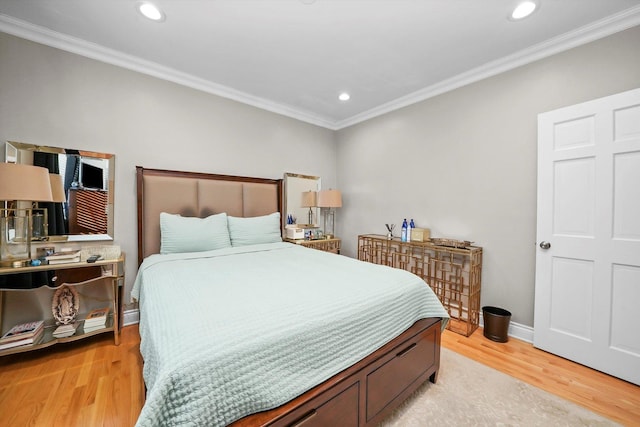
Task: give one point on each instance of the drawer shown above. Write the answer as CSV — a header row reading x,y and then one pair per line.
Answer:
x,y
408,362
51,278
341,410
77,275
31,280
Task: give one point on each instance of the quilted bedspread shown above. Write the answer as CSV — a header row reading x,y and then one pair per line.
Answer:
x,y
235,331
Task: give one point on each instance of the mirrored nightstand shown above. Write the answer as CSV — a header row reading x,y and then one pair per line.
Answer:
x,y
328,245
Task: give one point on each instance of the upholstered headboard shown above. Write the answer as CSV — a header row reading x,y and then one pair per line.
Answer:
x,y
198,194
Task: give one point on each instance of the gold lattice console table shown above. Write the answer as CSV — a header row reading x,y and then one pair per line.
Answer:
x,y
454,274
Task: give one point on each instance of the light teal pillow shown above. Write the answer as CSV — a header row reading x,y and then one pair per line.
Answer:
x,y
190,234
255,230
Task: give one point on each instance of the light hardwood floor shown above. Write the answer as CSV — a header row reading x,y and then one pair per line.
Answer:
x,y
87,383
608,396
94,383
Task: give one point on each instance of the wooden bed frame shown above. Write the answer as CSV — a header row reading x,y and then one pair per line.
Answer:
x,y
361,395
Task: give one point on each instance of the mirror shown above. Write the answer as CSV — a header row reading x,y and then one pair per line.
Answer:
x,y
294,186
88,179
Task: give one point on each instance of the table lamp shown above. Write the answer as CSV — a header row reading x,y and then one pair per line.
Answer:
x,y
309,201
40,214
57,188
20,183
328,200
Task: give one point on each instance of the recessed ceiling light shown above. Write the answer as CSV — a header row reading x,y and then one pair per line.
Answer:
x,y
344,96
151,11
523,10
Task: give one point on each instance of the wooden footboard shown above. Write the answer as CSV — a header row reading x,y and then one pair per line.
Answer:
x,y
365,393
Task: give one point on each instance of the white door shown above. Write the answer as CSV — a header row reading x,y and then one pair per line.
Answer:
x,y
587,295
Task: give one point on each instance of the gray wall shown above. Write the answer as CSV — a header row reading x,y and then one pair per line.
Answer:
x,y
51,97
464,163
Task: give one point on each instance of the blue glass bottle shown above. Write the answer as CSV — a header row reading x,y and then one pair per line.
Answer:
x,y
403,235
412,225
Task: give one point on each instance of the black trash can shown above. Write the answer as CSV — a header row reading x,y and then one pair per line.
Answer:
x,y
496,323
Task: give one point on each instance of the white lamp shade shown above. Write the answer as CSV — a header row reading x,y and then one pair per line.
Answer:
x,y
24,182
329,199
57,188
308,199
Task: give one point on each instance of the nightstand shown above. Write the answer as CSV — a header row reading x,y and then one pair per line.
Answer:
x,y
328,245
26,294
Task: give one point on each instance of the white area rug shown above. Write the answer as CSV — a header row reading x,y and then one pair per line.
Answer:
x,y
471,394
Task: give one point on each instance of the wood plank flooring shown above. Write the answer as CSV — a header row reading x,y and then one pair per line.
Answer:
x,y
94,383
85,383
608,396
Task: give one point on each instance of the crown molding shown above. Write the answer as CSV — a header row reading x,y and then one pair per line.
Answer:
x,y
583,35
81,47
594,31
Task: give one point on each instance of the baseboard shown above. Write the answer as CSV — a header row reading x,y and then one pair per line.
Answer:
x,y
521,332
517,330
131,317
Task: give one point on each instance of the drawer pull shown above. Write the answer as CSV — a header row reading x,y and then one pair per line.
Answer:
x,y
306,417
407,350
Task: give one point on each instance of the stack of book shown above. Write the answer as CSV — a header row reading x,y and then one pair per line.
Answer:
x,y
96,319
63,257
64,331
22,334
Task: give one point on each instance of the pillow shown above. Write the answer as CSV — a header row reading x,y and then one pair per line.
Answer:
x,y
191,234
255,230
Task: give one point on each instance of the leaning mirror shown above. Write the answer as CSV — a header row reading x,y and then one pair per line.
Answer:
x,y
299,200
87,179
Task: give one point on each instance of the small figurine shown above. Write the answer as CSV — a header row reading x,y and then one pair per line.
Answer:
x,y
65,305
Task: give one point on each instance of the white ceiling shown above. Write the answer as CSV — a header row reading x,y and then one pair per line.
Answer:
x,y
294,57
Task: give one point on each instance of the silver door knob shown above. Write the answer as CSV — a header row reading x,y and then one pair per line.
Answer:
x,y
545,245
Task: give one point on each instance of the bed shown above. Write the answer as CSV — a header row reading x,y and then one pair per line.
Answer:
x,y
261,332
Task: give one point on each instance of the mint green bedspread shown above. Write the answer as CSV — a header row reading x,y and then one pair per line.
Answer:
x,y
235,331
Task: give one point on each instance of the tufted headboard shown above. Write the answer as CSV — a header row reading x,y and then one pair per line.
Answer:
x,y
198,194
